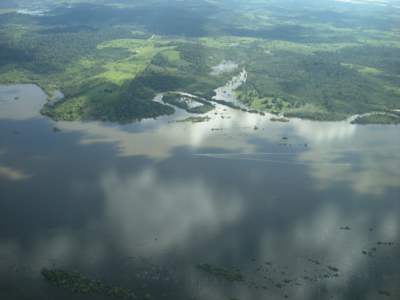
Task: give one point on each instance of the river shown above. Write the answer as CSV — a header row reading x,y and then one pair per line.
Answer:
x,y
303,210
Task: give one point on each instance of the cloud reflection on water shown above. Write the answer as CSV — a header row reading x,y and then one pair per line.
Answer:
x,y
366,160
317,237
337,152
157,140
21,102
324,133
13,174
150,213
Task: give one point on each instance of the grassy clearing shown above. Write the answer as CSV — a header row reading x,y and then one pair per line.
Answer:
x,y
363,69
142,52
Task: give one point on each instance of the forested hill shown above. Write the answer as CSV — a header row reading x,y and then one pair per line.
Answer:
x,y
303,59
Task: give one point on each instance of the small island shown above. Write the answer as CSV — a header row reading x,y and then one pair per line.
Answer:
x,y
377,118
190,103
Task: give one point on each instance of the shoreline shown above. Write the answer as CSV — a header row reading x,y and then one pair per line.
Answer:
x,y
351,119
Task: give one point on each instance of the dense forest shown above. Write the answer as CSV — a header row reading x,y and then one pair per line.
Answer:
x,y
110,61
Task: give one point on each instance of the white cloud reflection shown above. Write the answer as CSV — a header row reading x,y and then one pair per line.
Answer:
x,y
149,213
328,155
13,174
318,237
21,102
228,129
324,133
331,145
364,159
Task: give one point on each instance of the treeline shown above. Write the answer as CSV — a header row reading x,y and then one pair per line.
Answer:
x,y
320,79
52,53
386,59
168,18
374,118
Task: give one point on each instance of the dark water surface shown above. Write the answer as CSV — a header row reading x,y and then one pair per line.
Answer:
x,y
291,206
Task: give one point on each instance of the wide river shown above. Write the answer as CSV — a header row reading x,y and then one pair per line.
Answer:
x,y
300,210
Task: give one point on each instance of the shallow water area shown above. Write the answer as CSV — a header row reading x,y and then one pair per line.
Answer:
x,y
227,92
300,210
21,101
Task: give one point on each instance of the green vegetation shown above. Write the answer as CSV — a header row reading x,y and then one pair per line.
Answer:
x,y
283,120
183,102
231,275
76,283
334,269
175,99
314,86
111,60
195,119
72,281
376,118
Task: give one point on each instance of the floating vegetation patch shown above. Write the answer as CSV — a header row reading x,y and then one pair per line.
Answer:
x,y
373,251
76,283
384,293
370,253
117,292
314,261
345,228
231,275
333,269
379,243
280,119
285,280
258,276
72,281
195,119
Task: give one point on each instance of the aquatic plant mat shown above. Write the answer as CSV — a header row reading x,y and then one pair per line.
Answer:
x,y
231,275
76,283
